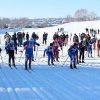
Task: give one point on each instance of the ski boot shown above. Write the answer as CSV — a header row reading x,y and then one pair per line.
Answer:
x,y
57,59
49,63
25,67
29,66
52,63
71,66
75,66
14,64
9,64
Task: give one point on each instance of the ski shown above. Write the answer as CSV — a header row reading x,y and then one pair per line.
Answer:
x,y
32,70
15,67
10,67
27,70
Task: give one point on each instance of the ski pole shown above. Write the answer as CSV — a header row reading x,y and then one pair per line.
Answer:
x,y
64,62
1,58
36,53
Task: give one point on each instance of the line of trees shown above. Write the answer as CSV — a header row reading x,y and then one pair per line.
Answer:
x,y
82,15
14,22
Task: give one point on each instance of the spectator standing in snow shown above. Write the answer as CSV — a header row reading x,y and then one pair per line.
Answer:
x,y
27,36
45,38
82,46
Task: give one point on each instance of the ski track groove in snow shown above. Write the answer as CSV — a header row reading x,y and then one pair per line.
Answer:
x,y
49,85
63,90
80,88
39,92
53,84
5,94
33,95
47,89
78,85
50,88
9,80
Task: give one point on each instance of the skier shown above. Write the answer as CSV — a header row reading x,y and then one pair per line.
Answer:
x,y
10,50
50,53
72,54
29,44
89,47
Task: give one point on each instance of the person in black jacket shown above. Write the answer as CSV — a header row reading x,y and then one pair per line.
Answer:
x,y
10,49
45,38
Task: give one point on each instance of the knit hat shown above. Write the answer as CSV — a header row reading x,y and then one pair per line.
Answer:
x,y
75,44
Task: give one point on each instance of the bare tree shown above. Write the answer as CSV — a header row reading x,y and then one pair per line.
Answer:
x,y
1,23
92,16
22,22
68,18
81,15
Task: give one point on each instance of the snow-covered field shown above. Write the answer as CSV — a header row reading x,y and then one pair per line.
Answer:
x,y
45,82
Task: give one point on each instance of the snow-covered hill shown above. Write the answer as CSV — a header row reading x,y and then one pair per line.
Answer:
x,y
57,82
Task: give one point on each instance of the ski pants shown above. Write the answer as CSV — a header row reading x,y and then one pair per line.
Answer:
x,y
72,58
11,56
28,57
50,56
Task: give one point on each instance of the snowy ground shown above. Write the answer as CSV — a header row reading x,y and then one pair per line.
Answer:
x,y
45,82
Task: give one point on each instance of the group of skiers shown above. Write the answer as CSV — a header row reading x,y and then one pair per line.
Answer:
x,y
76,51
11,47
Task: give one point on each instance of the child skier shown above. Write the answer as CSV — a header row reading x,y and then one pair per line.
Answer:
x,y
10,50
50,53
72,54
89,47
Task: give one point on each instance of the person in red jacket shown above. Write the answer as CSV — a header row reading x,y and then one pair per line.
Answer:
x,y
56,50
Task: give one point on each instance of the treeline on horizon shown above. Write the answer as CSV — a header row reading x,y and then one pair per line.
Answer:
x,y
80,15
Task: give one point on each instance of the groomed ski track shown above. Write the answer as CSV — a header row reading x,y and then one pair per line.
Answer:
x,y
50,82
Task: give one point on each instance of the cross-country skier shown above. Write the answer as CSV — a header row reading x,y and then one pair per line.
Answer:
x,y
50,53
89,47
72,54
29,44
10,50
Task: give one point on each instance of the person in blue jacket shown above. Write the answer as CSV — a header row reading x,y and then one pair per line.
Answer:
x,y
89,47
29,44
72,52
50,53
10,51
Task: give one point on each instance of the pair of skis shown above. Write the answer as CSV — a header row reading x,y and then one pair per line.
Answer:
x,y
13,66
29,70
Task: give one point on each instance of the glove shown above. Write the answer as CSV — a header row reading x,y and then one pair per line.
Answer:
x,y
7,51
44,55
16,52
38,44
